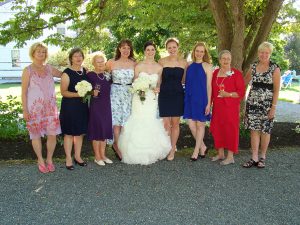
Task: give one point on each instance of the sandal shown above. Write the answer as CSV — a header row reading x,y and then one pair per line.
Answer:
x,y
250,163
261,163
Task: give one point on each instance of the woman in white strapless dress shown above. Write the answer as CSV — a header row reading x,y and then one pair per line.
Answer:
x,y
143,139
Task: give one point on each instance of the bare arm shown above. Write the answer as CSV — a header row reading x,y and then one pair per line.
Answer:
x,y
64,84
137,70
208,71
24,86
56,72
109,65
276,88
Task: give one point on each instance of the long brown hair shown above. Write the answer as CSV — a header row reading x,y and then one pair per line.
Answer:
x,y
206,57
122,43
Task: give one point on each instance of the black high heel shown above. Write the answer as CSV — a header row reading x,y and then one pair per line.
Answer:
x,y
80,163
205,153
116,154
70,167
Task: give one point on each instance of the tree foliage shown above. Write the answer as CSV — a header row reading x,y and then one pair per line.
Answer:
x,y
237,25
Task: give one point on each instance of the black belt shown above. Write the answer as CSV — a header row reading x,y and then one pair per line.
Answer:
x,y
262,85
122,84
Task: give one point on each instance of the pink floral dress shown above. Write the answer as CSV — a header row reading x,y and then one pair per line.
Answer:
x,y
41,105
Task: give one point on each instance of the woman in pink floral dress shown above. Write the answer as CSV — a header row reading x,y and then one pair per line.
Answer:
x,y
39,104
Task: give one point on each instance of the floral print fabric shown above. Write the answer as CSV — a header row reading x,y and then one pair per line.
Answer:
x,y
121,95
259,101
41,105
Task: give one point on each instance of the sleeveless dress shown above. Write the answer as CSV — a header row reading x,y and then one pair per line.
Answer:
x,y
41,105
259,101
171,96
143,139
73,112
100,120
196,98
121,96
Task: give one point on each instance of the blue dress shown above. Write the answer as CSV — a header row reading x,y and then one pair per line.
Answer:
x,y
171,95
196,98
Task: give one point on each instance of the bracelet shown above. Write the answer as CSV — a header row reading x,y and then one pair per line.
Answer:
x,y
274,105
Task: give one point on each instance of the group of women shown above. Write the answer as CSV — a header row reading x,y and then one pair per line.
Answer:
x,y
139,135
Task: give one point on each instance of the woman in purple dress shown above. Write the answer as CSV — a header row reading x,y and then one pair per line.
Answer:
x,y
100,118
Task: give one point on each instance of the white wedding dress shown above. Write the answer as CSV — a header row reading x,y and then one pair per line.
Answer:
x,y
143,139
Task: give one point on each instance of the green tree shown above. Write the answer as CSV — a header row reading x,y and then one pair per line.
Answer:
x,y
292,51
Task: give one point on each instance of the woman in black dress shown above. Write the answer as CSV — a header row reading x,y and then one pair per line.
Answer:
x,y
73,112
171,96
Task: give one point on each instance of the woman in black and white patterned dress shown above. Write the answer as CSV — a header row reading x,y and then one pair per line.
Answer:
x,y
261,103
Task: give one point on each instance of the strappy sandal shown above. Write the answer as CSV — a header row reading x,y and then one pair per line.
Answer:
x,y
250,163
261,163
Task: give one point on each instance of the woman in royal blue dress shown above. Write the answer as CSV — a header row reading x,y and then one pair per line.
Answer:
x,y
197,96
100,118
171,96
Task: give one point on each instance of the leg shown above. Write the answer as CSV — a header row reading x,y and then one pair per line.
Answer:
x,y
96,148
192,126
167,124
68,144
102,152
37,148
51,143
265,140
117,131
220,155
255,139
174,136
77,148
200,135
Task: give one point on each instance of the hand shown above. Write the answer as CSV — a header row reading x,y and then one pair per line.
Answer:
x,y
26,116
207,109
271,113
96,92
223,93
156,90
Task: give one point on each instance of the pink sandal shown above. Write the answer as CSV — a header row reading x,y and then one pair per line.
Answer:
x,y
51,167
43,168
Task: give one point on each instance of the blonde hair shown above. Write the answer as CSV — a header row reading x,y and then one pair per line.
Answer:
x,y
98,54
173,39
265,45
36,45
206,57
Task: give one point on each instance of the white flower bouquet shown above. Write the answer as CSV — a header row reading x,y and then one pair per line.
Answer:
x,y
84,90
141,85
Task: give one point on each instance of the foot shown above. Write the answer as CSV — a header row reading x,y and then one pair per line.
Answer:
x,y
261,163
194,157
227,162
43,168
117,152
171,156
108,161
203,152
250,163
99,162
80,162
217,158
50,167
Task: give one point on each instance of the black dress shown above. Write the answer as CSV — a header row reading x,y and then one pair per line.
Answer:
x,y
73,112
171,96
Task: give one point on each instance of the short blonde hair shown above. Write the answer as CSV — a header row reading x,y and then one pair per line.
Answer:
x,y
98,54
265,45
206,57
35,46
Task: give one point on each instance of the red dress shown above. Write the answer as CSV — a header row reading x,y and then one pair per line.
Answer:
x,y
225,119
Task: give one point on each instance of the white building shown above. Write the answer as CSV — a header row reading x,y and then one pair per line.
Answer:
x,y
13,60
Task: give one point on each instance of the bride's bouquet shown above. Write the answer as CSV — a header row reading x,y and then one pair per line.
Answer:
x,y
141,85
84,90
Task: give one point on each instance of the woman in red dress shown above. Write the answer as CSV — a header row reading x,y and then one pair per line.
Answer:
x,y
228,89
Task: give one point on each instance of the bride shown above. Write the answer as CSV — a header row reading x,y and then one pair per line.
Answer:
x,y
143,139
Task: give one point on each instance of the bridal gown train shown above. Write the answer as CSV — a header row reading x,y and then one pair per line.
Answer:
x,y
143,139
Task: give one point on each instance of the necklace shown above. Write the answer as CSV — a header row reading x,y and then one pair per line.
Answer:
x,y
221,84
80,73
98,75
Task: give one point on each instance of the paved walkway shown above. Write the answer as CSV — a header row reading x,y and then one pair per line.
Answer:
x,y
178,192
287,112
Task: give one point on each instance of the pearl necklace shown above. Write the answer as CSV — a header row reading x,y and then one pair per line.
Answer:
x,y
98,75
79,73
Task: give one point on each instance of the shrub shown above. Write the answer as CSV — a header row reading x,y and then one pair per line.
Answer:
x,y
12,126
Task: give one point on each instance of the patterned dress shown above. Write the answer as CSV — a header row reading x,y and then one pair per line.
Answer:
x,y
121,96
41,105
259,101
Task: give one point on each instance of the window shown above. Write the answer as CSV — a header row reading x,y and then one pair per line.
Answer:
x,y
15,58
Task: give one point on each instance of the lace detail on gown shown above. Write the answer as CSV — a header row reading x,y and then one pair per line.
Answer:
x,y
143,139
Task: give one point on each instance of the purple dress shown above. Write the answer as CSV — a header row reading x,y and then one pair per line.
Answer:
x,y
100,119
